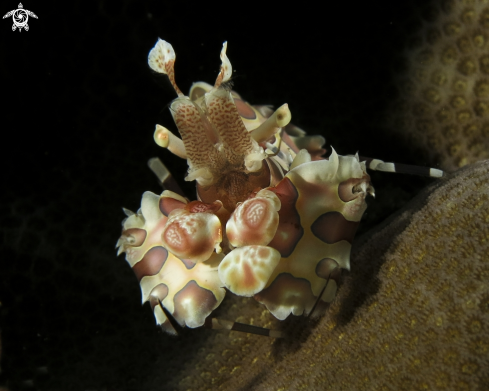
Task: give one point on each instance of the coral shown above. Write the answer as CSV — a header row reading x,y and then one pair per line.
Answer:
x,y
444,91
412,314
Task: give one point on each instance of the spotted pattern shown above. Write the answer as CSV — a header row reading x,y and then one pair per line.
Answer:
x,y
159,293
331,227
287,294
193,303
192,235
347,189
244,109
188,263
151,263
325,267
224,116
198,207
196,132
289,230
136,236
167,204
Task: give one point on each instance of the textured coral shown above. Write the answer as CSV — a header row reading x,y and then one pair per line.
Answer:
x,y
412,314
444,104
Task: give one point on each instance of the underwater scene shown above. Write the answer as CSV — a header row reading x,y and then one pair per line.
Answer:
x,y
303,195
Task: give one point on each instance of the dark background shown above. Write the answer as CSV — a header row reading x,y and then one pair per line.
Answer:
x,y
79,106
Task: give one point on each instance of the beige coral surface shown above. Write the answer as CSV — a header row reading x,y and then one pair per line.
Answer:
x,y
443,109
413,313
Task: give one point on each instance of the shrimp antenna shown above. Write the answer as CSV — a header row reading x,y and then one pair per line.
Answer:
x,y
221,324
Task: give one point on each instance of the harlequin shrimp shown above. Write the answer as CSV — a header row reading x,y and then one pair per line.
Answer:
x,y
273,220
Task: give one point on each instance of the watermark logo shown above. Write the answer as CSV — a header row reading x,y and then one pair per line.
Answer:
x,y
20,16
